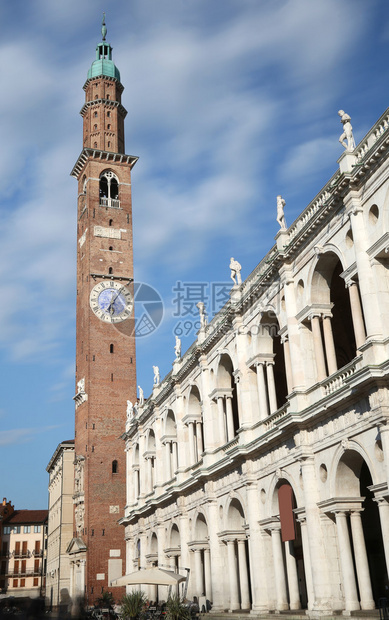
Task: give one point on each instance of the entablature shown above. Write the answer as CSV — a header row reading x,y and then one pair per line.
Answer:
x,y
106,156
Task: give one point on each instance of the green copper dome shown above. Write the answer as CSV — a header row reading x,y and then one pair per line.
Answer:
x,y
103,65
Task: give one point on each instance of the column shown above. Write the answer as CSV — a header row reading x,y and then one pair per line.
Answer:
x,y
383,508
317,544
199,437
271,386
262,392
222,424
291,568
259,594
137,483
232,572
384,435
282,600
218,554
168,461
288,365
174,456
243,575
307,562
230,419
367,285
346,562
150,473
318,347
191,444
361,563
198,572
207,571
184,538
162,590
356,313
329,345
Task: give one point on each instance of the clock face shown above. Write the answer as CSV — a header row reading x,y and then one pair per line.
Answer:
x,y
111,301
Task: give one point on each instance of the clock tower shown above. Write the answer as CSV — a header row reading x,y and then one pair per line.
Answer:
x,y
105,350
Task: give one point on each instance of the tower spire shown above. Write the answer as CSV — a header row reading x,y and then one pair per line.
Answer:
x,y
103,28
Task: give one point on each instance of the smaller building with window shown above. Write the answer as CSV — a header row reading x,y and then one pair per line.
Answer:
x,y
23,553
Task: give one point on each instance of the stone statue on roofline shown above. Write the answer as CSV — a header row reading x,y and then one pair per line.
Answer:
x,y
157,378
347,138
203,317
177,348
280,212
141,397
235,271
130,410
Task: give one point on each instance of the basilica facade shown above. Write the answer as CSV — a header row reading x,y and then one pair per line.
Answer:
x,y
260,464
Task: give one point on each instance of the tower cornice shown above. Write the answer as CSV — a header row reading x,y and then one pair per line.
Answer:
x,y
103,156
119,85
106,102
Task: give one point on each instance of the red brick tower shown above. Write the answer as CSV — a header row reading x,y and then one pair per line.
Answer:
x,y
105,355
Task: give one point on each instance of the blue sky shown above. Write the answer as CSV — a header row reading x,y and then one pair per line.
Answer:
x,y
230,102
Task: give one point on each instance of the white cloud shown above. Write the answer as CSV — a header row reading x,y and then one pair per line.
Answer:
x,y
19,436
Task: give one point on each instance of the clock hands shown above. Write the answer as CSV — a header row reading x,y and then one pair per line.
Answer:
x,y
111,308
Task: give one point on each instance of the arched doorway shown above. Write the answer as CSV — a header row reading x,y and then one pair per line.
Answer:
x,y
238,565
287,546
202,559
332,321
227,399
361,550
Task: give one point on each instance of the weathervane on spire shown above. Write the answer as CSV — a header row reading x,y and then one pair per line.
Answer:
x,y
103,27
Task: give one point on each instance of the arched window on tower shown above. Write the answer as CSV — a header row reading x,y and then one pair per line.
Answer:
x,y
111,348
115,468
110,271
109,190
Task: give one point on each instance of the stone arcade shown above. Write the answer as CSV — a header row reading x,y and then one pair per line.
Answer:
x,y
261,462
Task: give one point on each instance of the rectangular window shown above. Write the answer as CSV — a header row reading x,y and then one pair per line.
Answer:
x,y
16,566
24,548
36,566
15,583
36,581
37,529
37,547
16,529
22,583
17,548
24,567
27,529
6,529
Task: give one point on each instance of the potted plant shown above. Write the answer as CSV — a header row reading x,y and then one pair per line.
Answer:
x,y
133,605
176,608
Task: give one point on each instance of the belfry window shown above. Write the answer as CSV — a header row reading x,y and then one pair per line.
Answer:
x,y
109,190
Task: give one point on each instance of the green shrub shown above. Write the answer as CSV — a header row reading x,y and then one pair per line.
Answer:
x,y
176,608
133,604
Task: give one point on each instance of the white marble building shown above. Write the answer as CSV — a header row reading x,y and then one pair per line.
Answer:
x,y
282,400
